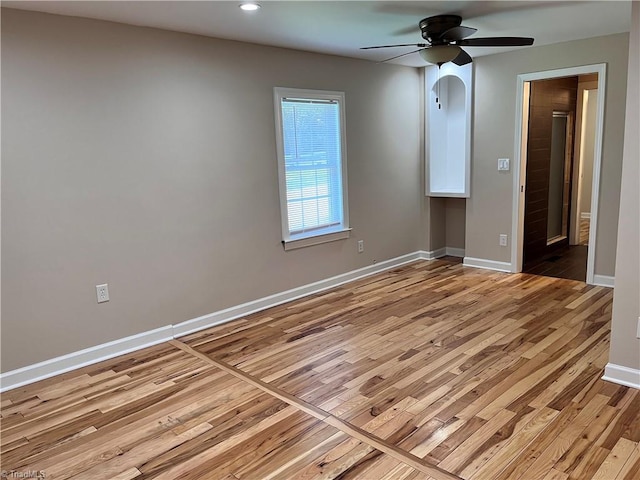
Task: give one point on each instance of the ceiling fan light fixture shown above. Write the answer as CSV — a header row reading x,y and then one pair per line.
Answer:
x,y
440,54
249,6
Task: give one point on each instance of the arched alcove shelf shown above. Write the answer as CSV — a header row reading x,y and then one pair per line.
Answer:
x,y
448,130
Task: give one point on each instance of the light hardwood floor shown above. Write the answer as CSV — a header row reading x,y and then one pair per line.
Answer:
x,y
432,371
585,224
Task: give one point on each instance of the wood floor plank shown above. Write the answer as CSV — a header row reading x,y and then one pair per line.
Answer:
x,y
562,329
616,460
431,370
499,451
631,466
565,439
215,425
460,457
589,464
321,415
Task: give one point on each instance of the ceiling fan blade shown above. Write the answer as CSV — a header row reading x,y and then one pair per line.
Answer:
x,y
400,45
405,31
463,58
398,56
457,33
496,42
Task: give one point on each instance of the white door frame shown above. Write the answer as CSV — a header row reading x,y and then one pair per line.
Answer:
x,y
519,164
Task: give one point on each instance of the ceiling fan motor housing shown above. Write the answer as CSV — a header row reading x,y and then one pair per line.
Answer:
x,y
432,28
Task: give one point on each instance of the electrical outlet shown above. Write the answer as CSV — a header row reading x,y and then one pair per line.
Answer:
x,y
360,246
503,240
102,292
638,330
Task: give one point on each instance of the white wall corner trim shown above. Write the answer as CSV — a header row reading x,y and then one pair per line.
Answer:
x,y
629,377
82,358
433,254
455,252
487,264
65,363
604,280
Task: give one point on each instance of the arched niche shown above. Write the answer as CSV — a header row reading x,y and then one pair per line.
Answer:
x,y
448,130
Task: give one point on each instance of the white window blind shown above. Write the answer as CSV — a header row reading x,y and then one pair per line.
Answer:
x,y
311,163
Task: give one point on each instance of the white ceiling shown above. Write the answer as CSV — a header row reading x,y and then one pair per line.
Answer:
x,y
342,27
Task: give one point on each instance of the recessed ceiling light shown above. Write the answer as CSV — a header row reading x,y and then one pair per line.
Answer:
x,y
249,7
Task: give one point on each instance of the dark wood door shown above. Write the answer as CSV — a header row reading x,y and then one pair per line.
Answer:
x,y
547,97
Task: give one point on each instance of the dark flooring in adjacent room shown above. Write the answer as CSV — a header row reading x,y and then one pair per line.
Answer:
x,y
569,263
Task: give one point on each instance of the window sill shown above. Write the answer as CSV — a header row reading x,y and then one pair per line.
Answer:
x,y
317,239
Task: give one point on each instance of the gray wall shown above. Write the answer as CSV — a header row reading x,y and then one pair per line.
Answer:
x,y
437,226
446,223
455,209
489,209
146,159
625,346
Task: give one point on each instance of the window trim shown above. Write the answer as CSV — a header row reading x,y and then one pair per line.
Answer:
x,y
320,235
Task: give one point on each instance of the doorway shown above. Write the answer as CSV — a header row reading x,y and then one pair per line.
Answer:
x,y
586,116
556,172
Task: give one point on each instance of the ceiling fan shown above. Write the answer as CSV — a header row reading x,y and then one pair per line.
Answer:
x,y
445,36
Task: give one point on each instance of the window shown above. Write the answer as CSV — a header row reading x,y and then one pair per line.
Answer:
x,y
312,166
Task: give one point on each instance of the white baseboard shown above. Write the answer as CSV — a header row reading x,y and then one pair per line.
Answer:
x,y
629,377
604,280
82,358
433,254
585,215
56,366
455,252
487,264
442,252
233,313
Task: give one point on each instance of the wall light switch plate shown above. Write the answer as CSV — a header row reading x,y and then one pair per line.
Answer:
x,y
503,164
